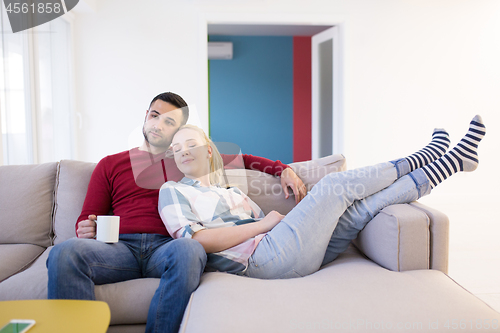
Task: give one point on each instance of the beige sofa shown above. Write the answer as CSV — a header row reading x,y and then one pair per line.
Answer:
x,y
393,278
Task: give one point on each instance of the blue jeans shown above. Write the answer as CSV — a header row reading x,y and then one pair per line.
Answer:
x,y
322,225
76,265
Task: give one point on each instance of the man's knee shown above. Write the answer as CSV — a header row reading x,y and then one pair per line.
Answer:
x,y
66,251
188,259
190,252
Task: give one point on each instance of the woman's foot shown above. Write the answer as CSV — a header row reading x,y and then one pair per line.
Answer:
x,y
461,158
434,150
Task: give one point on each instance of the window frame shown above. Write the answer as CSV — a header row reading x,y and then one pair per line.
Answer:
x,y
32,96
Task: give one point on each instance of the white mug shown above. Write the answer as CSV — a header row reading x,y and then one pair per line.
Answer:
x,y
108,228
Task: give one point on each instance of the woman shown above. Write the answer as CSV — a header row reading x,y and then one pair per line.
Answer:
x,y
238,237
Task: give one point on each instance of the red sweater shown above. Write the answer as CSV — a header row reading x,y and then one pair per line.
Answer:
x,y
128,184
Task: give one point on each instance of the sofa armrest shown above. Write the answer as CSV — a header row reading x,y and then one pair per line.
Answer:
x,y
440,236
407,237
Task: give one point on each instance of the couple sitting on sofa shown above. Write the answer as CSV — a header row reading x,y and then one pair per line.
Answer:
x,y
313,233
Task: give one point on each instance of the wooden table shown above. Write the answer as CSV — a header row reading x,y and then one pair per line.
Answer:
x,y
54,316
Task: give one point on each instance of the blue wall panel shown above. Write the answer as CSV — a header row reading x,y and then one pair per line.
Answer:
x,y
251,96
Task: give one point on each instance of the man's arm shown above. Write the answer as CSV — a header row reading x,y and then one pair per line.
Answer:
x,y
263,164
97,202
288,177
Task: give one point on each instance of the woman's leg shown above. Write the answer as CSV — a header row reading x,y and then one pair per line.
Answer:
x,y
434,150
292,247
406,189
461,158
296,246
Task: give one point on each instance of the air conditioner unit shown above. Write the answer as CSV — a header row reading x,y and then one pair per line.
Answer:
x,y
220,50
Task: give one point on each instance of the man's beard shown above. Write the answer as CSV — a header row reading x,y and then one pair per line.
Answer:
x,y
159,144
145,135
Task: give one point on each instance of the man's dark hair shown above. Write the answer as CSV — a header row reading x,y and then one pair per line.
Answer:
x,y
176,101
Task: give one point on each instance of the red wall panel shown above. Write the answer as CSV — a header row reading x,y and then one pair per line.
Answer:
x,y
301,98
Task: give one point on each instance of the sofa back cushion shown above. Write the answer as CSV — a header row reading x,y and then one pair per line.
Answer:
x,y
26,203
72,181
266,190
73,178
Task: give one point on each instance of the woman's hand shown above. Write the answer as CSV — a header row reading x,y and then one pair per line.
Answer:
x,y
219,239
271,220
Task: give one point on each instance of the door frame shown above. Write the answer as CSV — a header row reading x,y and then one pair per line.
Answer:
x,y
259,19
337,116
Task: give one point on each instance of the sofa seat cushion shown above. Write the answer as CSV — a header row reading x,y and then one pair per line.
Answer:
x,y
350,294
15,258
28,284
128,300
27,196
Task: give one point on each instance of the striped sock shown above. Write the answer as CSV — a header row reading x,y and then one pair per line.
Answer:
x,y
461,158
434,150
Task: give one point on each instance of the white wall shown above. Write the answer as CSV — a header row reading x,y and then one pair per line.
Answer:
x,y
409,66
126,54
434,59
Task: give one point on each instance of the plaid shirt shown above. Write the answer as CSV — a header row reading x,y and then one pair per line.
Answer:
x,y
187,207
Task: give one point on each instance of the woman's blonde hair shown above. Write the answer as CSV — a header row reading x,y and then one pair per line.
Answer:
x,y
216,163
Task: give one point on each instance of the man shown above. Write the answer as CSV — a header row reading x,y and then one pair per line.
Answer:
x,y
127,184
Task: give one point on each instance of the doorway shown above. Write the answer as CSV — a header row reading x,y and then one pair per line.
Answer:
x,y
251,95
322,135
